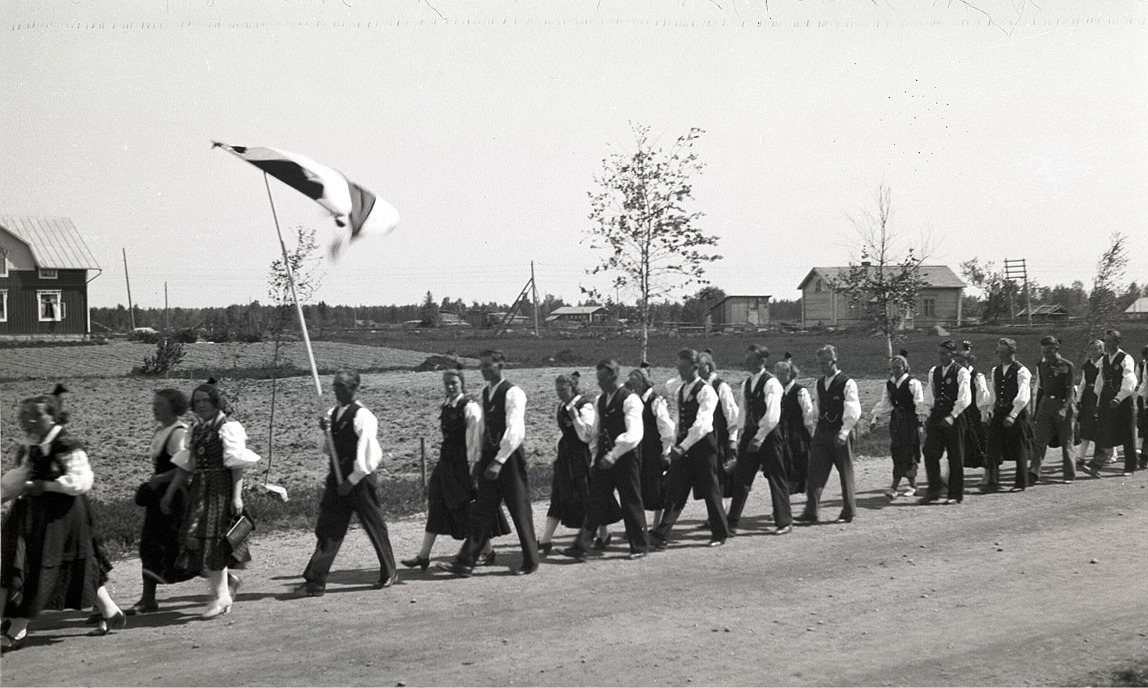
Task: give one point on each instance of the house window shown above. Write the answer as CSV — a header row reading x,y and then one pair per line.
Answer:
x,y
49,273
3,305
51,306
929,308
3,263
817,286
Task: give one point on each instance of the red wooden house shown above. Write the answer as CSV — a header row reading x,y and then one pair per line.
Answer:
x,y
45,268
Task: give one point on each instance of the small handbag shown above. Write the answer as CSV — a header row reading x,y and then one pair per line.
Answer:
x,y
239,531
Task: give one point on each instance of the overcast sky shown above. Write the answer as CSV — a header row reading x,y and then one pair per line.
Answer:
x,y
1004,129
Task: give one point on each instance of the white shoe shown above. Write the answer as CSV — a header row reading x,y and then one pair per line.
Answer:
x,y
910,491
891,493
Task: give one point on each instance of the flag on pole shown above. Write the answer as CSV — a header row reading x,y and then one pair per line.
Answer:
x,y
355,209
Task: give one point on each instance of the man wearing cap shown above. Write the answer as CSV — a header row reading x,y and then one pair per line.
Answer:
x,y
947,395
838,410
1055,396
1115,408
1009,431
761,447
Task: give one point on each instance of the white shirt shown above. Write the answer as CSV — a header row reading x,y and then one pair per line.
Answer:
x,y
772,416
728,406
1023,390
1127,378
885,406
585,418
964,393
77,478
704,423
852,410
666,429
515,420
984,400
368,453
472,413
805,401
635,429
171,438
234,440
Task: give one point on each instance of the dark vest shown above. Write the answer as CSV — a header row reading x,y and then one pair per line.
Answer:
x,y
346,441
688,406
831,402
1090,371
651,437
1055,379
1006,387
1113,373
792,417
901,396
566,419
611,421
494,419
162,463
452,421
945,390
721,423
754,402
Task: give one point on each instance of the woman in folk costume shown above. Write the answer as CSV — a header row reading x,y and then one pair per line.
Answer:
x,y
798,418
658,437
212,466
977,413
159,538
1086,398
900,398
451,490
570,485
50,555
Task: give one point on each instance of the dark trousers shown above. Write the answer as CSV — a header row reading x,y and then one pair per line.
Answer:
x,y
511,487
1009,444
698,468
624,476
905,465
335,516
950,441
1045,425
824,455
767,459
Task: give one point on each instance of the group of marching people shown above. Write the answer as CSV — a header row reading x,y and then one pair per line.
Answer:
x,y
623,452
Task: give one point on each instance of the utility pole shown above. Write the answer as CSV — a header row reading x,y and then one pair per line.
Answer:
x,y
534,290
131,308
1016,269
166,319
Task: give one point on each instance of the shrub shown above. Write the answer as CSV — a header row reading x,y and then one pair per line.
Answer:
x,y
168,354
187,335
566,357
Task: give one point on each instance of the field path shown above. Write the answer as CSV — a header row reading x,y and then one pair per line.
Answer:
x,y
1044,587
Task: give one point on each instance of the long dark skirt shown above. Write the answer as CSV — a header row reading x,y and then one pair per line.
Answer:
x,y
795,455
570,485
975,441
653,477
208,517
904,443
159,538
51,557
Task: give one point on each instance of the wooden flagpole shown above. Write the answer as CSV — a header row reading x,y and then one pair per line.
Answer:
x,y
306,337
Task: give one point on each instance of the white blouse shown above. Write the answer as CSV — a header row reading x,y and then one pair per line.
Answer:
x,y
235,451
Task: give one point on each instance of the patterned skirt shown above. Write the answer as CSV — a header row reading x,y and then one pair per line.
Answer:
x,y
208,517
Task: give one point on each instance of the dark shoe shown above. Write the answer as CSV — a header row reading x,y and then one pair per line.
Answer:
x,y
576,553
10,644
455,567
784,530
140,608
309,590
715,543
416,561
1033,478
657,541
486,560
385,582
928,499
635,555
844,519
805,518
952,500
117,622
525,570
600,544
1090,470
1016,489
94,618
544,548
732,531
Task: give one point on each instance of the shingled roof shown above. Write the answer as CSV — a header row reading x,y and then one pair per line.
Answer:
x,y
937,276
54,241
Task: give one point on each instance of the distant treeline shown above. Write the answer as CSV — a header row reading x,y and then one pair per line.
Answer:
x,y
253,321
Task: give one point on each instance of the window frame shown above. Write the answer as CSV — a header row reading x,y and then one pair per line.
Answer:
x,y
60,310
48,273
3,305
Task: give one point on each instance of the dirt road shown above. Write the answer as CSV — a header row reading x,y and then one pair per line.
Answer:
x,y
1044,587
